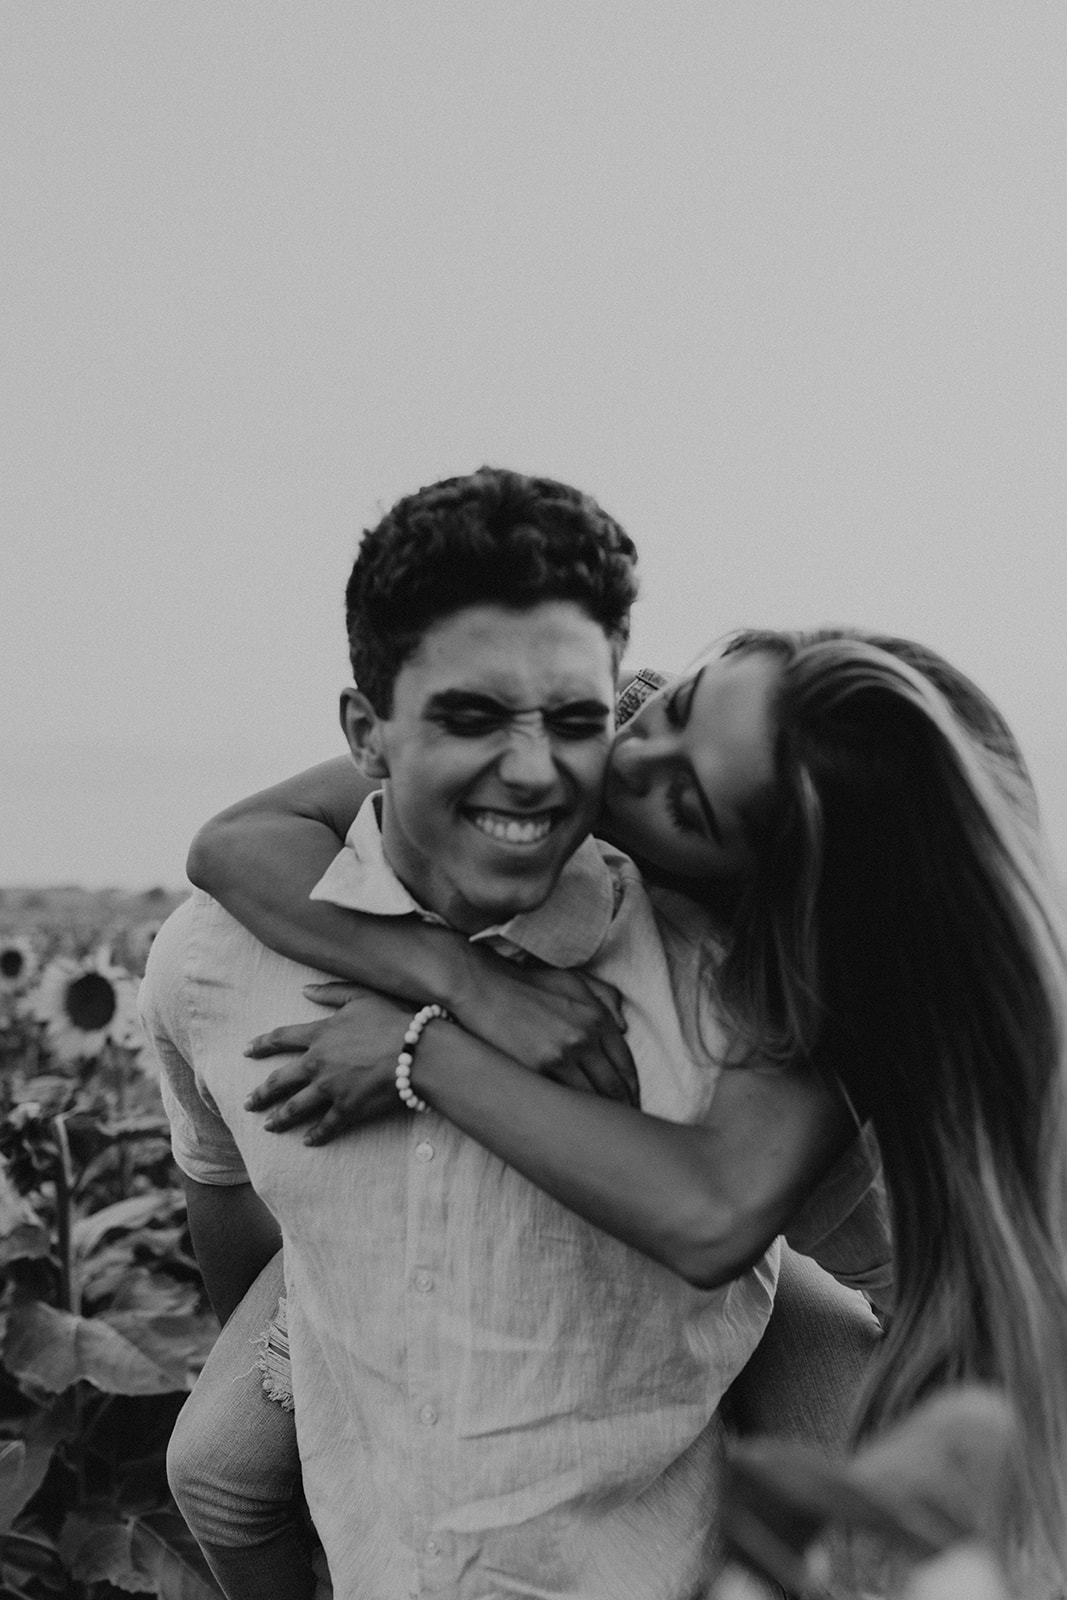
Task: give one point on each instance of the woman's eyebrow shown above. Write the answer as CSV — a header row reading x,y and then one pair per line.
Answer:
x,y
682,710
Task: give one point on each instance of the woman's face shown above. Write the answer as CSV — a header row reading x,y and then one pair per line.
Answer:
x,y
685,770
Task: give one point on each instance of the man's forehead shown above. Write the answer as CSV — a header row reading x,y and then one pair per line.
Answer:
x,y
553,650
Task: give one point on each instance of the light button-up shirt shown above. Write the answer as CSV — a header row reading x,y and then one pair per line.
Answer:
x,y
540,1418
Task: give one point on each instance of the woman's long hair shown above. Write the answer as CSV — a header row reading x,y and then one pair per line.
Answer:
x,y
902,933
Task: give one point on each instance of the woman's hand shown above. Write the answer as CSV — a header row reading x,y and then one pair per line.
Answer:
x,y
561,1025
345,1075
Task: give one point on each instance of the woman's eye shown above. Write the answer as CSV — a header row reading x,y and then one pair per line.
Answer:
x,y
678,816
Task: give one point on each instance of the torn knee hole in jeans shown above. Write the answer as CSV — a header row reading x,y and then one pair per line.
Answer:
x,y
273,1359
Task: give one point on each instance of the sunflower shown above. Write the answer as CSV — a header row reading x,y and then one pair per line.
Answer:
x,y
86,1005
18,964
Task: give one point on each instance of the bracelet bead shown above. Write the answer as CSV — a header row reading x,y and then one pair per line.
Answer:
x,y
405,1060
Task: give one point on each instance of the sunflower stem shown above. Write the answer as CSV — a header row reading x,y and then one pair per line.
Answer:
x,y
64,1181
120,1071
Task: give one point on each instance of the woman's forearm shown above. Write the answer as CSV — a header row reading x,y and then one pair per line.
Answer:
x,y
261,859
705,1201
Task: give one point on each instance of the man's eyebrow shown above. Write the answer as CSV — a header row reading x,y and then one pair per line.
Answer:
x,y
474,700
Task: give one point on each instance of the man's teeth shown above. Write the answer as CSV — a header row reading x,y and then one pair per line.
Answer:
x,y
531,830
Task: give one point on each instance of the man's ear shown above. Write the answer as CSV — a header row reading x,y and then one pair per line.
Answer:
x,y
363,730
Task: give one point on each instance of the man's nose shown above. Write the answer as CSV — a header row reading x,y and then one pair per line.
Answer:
x,y
528,761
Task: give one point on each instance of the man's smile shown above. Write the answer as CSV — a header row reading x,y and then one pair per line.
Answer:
x,y
507,827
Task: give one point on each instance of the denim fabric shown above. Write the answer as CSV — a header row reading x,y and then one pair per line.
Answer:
x,y
844,1224
808,1369
234,1469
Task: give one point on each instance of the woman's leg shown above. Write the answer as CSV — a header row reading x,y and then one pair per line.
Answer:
x,y
233,1464
806,1372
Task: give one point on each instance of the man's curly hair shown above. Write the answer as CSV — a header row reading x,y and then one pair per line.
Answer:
x,y
492,537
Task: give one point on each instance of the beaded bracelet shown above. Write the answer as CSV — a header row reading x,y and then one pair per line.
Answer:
x,y
407,1055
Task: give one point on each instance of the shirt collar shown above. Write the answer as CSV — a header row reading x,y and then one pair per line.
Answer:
x,y
566,931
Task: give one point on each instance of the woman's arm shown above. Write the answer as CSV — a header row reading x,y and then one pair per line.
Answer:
x,y
262,857
704,1200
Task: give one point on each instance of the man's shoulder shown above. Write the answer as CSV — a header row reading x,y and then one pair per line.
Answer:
x,y
168,956
201,947
181,936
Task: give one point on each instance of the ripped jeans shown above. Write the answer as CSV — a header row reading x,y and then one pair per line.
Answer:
x,y
232,1462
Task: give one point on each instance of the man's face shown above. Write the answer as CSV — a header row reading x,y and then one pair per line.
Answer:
x,y
493,756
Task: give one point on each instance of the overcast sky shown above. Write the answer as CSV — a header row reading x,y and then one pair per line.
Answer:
x,y
784,285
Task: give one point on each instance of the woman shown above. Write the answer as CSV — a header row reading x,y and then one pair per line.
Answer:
x,y
884,919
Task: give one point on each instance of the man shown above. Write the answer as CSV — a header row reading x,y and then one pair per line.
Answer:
x,y
491,1395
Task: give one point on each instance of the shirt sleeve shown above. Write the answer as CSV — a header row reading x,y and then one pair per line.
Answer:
x,y
844,1224
202,1144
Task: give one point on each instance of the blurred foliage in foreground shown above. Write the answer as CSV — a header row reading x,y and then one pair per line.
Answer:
x,y
103,1320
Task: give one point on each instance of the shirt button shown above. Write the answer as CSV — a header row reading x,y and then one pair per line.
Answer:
x,y
427,1416
424,1150
432,1547
423,1282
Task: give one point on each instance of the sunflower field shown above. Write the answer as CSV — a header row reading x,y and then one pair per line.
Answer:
x,y
103,1319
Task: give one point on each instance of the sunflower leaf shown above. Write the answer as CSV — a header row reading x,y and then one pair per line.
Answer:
x,y
33,1558
21,1231
125,1214
123,1353
154,1554
24,1462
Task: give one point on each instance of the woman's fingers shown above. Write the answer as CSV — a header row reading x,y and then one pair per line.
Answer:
x,y
282,1041
299,1107
587,994
333,994
608,996
281,1084
327,1128
621,1063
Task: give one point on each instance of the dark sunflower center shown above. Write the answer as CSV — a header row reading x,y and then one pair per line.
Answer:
x,y
11,963
91,1002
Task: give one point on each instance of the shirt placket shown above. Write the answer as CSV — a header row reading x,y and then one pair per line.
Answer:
x,y
424,1286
